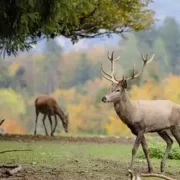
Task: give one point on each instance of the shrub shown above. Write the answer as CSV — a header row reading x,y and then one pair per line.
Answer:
x,y
156,150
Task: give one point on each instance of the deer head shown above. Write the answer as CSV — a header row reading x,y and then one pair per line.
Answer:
x,y
118,88
65,122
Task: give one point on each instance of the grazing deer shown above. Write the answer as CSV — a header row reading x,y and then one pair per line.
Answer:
x,y
48,106
143,116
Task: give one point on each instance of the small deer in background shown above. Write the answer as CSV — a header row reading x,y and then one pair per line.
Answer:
x,y
143,116
2,122
48,106
2,130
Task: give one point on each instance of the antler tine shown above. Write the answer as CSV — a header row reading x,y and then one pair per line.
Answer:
x,y
112,66
145,59
145,62
133,75
110,76
111,58
105,75
151,59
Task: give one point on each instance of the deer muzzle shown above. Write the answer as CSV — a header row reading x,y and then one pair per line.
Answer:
x,y
104,99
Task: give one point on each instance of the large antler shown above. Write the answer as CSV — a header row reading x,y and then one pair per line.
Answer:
x,y
145,62
110,77
138,177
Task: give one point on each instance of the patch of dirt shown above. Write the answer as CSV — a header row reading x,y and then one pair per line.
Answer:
x,y
97,169
78,169
94,169
32,138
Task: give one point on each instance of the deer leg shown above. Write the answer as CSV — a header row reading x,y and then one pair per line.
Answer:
x,y
37,114
44,124
55,123
176,133
136,146
169,142
50,120
145,149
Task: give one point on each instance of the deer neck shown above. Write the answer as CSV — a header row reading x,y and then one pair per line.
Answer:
x,y
60,113
124,108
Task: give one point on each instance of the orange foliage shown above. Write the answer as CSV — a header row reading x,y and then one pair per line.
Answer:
x,y
148,91
67,95
167,89
13,68
115,125
172,88
11,126
77,117
86,115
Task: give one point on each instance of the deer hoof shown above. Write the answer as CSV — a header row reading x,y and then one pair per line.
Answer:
x,y
129,172
150,170
162,167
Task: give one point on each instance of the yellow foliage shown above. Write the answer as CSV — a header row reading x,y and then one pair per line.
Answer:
x,y
13,68
172,88
84,116
13,127
115,126
68,95
168,90
11,102
76,117
148,91
11,108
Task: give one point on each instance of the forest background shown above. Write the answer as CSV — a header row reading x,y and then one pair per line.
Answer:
x,y
74,79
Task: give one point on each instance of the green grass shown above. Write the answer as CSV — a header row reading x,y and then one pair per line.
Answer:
x,y
57,151
156,150
80,160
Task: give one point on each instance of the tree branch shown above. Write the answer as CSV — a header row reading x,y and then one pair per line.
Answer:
x,y
89,14
84,35
132,176
15,150
156,175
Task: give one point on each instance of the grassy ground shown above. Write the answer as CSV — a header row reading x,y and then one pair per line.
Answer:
x,y
76,161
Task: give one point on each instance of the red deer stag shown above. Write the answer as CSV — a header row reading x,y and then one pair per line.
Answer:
x,y
143,116
48,106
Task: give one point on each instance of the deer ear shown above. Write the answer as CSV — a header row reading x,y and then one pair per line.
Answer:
x,y
124,84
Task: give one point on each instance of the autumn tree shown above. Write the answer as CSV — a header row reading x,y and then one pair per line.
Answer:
x,y
52,53
85,70
162,57
171,35
24,22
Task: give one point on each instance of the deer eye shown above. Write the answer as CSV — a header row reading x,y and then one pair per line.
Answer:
x,y
118,90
